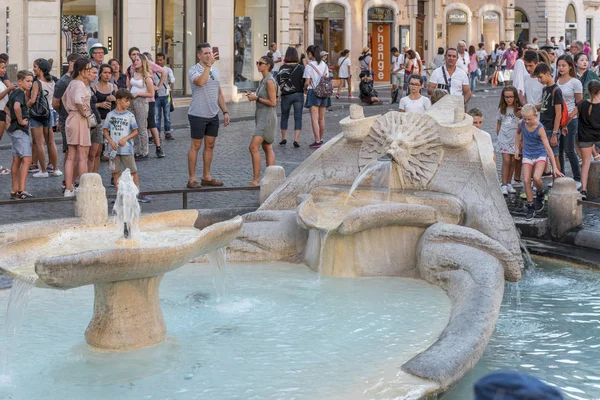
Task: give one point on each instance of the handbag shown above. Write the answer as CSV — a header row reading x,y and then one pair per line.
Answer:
x,y
40,110
91,120
324,88
171,106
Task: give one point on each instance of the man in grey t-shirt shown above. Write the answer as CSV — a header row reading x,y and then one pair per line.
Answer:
x,y
207,99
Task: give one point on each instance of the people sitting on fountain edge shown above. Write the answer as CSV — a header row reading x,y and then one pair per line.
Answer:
x,y
368,94
120,128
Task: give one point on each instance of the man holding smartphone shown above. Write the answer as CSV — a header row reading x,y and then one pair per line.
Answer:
x,y
207,99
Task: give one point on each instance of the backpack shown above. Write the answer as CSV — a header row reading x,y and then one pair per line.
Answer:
x,y
324,88
284,78
564,115
40,110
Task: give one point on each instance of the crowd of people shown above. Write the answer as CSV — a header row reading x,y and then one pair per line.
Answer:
x,y
100,112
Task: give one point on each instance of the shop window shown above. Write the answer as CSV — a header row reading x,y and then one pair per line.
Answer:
x,y
570,25
329,30
521,26
491,29
84,23
170,39
251,40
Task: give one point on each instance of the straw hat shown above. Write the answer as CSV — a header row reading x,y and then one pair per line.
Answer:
x,y
366,50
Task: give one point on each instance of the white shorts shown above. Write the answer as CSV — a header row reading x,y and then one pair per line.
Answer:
x,y
533,161
398,79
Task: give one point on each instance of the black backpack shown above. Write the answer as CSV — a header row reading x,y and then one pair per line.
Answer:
x,y
40,110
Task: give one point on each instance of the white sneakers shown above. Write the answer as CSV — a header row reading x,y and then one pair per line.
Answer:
x,y
47,174
508,188
40,174
69,193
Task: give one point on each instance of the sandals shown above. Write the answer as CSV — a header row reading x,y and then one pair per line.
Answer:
x,y
211,182
194,185
4,171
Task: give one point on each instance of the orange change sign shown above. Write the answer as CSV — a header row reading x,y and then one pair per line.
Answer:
x,y
380,35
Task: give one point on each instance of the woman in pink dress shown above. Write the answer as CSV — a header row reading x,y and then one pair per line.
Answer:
x,y
77,103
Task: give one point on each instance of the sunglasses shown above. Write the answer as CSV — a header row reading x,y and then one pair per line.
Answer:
x,y
261,63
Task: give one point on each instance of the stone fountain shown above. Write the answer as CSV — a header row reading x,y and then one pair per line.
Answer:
x,y
126,269
441,218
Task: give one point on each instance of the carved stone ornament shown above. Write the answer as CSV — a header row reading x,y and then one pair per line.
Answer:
x,y
412,140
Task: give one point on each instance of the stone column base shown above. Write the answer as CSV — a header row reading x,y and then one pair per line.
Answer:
x,y
127,315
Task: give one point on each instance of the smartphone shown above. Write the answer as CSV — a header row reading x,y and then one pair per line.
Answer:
x,y
215,50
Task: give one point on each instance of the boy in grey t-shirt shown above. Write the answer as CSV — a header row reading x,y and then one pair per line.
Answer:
x,y
120,128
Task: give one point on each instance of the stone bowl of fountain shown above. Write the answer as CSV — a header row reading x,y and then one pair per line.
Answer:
x,y
406,195
124,258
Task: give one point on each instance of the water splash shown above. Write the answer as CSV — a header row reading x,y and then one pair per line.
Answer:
x,y
380,172
323,235
218,261
127,208
17,302
527,260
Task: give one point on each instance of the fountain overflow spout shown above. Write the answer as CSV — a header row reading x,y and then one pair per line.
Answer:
x,y
125,230
386,158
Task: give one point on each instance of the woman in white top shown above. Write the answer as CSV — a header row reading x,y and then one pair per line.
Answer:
x,y
572,92
4,92
42,130
414,102
141,86
313,73
344,73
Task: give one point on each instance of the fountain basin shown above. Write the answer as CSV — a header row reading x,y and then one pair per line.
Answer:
x,y
371,233
284,333
126,274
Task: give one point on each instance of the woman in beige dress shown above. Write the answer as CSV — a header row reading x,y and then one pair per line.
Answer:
x,y
77,103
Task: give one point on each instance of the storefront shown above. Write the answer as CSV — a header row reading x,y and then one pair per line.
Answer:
x,y
380,40
521,26
570,25
457,28
253,28
86,22
172,41
329,30
490,29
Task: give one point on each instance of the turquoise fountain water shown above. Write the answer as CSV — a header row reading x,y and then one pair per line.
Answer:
x,y
282,333
551,333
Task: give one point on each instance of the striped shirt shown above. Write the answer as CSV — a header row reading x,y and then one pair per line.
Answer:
x,y
205,99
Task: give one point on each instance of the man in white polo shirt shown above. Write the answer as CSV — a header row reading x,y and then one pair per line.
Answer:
x,y
450,78
276,59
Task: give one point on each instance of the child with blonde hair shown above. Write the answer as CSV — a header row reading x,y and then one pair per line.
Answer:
x,y
532,135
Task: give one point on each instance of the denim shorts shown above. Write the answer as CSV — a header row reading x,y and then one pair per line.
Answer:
x,y
21,144
37,124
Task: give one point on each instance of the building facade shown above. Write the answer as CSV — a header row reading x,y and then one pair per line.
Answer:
x,y
243,29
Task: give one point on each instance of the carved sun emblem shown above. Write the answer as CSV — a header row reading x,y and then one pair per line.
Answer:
x,y
412,140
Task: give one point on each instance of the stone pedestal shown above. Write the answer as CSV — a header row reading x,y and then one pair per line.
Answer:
x,y
127,315
273,178
563,211
91,203
593,183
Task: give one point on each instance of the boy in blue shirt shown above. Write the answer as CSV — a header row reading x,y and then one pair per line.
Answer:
x,y
120,128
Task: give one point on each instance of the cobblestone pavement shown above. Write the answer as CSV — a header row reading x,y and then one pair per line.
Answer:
x,y
231,164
